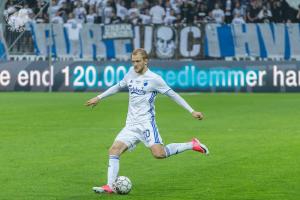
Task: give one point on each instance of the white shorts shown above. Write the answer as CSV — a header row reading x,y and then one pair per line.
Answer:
x,y
146,132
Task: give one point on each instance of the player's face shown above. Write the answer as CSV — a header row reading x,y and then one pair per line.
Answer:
x,y
139,63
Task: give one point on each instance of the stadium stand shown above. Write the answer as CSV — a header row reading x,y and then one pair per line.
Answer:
x,y
79,13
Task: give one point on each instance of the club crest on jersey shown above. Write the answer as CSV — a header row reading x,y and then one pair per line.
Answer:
x,y
145,83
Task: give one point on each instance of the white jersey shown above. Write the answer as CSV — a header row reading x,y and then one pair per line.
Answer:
x,y
143,89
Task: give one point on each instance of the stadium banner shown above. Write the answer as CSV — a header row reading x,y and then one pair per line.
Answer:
x,y
3,47
78,41
268,40
117,31
98,42
200,76
169,42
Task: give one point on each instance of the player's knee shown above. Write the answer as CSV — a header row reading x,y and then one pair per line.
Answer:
x,y
114,150
159,155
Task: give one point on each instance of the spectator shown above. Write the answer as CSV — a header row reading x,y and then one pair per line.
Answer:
x,y
187,12
122,11
133,13
238,19
210,19
57,19
64,10
228,8
114,19
265,15
277,12
54,9
100,5
107,12
201,9
175,4
168,8
238,9
289,13
170,19
92,16
145,17
80,12
157,14
218,14
253,12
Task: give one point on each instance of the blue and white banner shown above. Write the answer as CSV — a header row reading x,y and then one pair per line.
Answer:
x,y
85,41
78,41
3,47
255,40
280,41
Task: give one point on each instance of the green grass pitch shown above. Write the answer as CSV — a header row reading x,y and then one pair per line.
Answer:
x,y
54,148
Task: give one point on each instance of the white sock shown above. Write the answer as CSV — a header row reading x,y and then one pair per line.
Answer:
x,y
113,169
176,148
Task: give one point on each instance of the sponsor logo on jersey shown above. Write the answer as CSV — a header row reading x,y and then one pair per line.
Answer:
x,y
135,90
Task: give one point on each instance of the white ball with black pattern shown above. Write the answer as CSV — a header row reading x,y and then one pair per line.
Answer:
x,y
122,185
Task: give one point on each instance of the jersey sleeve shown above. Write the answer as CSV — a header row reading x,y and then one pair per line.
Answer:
x,y
110,91
161,86
179,100
123,82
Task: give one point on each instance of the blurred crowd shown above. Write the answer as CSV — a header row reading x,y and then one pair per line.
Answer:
x,y
166,12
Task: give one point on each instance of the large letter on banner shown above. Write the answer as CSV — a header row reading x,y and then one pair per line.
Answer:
x,y
212,44
273,36
93,46
293,31
43,38
245,40
219,40
184,41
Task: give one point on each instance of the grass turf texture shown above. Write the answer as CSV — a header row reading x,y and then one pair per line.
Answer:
x,y
52,147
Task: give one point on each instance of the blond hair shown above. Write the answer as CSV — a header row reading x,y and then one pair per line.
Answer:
x,y
141,52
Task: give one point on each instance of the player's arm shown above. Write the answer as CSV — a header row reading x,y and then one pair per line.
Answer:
x,y
110,91
179,100
162,87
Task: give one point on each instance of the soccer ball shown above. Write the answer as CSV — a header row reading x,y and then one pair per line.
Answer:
x,y
122,185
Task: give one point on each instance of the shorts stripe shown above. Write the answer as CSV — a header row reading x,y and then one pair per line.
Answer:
x,y
156,138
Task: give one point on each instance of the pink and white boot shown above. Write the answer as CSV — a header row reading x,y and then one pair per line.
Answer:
x,y
103,189
197,146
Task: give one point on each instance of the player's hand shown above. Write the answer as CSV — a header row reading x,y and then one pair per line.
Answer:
x,y
92,102
197,115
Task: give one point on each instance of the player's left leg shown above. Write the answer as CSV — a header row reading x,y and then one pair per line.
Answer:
x,y
153,140
194,144
160,151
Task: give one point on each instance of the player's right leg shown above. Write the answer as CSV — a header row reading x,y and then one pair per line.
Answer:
x,y
126,139
115,151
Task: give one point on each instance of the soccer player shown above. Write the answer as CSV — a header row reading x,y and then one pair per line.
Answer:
x,y
143,86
